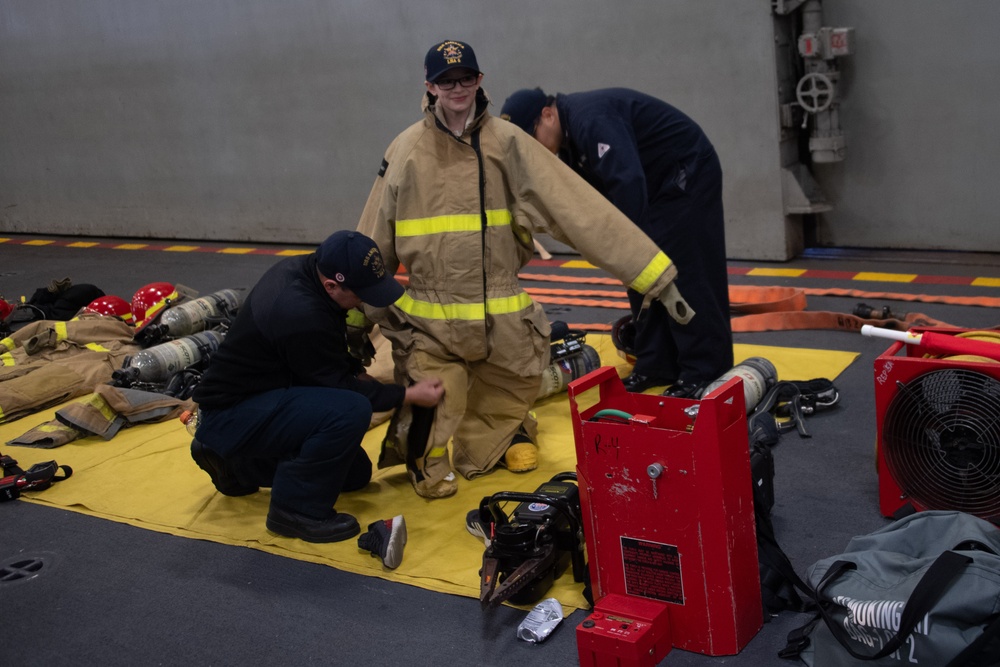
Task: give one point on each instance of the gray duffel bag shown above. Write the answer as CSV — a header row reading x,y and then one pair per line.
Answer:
x,y
924,590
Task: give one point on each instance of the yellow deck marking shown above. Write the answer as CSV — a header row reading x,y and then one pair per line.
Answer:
x,y
787,273
986,282
886,277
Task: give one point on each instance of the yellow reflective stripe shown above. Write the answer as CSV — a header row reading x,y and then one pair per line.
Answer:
x,y
498,218
60,329
96,347
653,270
441,224
102,406
508,304
355,318
165,302
463,311
437,452
8,359
8,343
52,428
154,309
439,311
438,225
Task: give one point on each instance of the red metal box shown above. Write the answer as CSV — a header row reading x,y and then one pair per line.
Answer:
x,y
624,631
667,503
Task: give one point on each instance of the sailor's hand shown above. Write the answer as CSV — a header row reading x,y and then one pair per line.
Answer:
x,y
426,393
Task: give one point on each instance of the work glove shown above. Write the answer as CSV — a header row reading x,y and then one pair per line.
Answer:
x,y
665,291
675,304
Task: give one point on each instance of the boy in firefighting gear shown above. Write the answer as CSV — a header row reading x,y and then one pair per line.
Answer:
x,y
456,201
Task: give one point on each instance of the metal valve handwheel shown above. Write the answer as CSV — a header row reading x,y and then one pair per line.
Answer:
x,y
814,92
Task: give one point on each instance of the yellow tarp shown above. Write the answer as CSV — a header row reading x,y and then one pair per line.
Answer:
x,y
145,477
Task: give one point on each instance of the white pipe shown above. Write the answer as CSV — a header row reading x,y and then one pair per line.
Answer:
x,y
902,336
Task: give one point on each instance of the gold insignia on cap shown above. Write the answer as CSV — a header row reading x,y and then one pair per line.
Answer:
x,y
451,52
374,258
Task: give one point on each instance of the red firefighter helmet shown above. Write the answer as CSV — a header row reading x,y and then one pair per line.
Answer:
x,y
150,301
112,306
6,308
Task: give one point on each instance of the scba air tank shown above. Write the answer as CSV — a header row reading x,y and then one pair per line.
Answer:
x,y
758,375
563,371
158,363
190,317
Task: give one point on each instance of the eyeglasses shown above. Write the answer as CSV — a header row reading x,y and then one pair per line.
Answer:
x,y
467,82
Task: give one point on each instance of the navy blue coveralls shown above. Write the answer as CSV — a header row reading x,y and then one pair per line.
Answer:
x,y
281,400
657,166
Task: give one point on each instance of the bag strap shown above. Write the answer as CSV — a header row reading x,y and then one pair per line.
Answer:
x,y
9,466
991,632
781,581
43,475
967,657
794,400
925,595
798,640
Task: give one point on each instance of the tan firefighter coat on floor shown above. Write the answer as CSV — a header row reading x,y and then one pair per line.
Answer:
x,y
47,362
459,213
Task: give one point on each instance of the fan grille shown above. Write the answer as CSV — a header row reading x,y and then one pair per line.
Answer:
x,y
941,440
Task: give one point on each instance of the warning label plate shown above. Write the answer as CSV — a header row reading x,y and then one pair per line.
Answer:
x,y
652,570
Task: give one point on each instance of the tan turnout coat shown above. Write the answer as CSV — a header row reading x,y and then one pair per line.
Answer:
x,y
459,213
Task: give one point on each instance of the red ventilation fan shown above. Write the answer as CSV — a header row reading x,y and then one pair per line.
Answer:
x,y
938,432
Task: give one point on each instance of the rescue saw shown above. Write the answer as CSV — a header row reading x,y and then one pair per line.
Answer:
x,y
533,545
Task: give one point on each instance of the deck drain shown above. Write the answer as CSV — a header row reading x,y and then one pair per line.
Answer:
x,y
22,568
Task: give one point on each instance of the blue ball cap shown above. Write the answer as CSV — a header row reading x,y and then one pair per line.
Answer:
x,y
354,261
524,107
448,55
